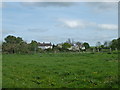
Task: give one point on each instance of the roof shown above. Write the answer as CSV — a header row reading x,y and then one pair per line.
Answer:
x,y
44,44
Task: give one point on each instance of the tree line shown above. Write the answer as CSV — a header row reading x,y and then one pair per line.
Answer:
x,y
14,44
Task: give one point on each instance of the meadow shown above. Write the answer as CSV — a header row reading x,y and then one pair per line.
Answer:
x,y
0,70
60,70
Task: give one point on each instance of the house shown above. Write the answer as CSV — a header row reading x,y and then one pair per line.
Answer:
x,y
83,48
45,45
74,47
59,45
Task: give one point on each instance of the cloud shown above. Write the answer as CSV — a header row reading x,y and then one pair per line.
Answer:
x,y
81,24
60,0
37,30
48,4
1,5
72,24
108,26
49,38
102,6
5,32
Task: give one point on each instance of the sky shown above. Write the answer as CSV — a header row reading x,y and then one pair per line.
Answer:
x,y
55,22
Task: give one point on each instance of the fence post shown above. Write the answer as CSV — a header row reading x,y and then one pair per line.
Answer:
x,y
93,50
98,49
110,50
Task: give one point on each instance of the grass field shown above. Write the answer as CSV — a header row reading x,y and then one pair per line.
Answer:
x,y
0,70
62,70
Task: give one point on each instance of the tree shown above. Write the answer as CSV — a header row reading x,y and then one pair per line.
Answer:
x,y
0,47
98,44
114,44
22,47
106,43
102,46
11,44
66,45
86,45
19,40
33,46
54,46
118,44
10,39
13,39
79,44
69,41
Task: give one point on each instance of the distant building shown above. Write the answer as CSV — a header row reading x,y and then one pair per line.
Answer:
x,y
73,47
59,45
76,47
45,45
83,48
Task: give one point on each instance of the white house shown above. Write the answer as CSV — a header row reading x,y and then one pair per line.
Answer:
x,y
45,45
74,47
83,48
59,45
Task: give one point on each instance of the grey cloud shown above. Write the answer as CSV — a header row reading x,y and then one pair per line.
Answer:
x,y
37,30
51,38
81,24
102,6
1,5
5,32
48,4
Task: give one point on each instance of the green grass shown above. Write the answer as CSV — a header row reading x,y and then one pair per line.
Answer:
x,y
0,70
60,70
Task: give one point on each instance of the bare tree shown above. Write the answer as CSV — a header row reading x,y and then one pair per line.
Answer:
x,y
98,44
69,41
106,43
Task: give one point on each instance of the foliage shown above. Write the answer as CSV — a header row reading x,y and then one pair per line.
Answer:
x,y
114,44
33,46
86,45
66,45
98,44
118,44
107,44
14,44
13,39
